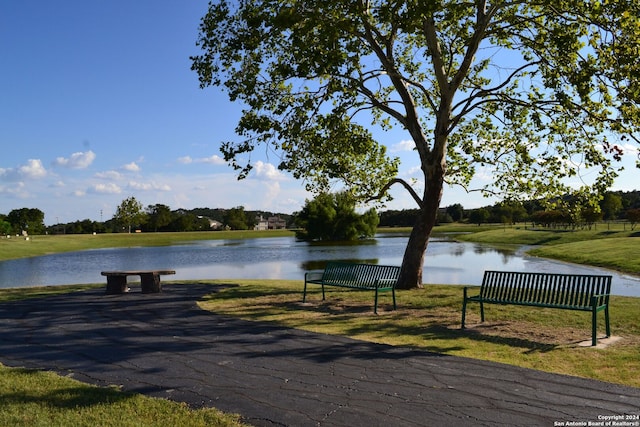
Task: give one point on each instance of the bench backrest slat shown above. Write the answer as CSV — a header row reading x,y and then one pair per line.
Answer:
x,y
570,290
359,275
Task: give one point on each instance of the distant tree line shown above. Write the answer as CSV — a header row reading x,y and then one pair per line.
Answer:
x,y
614,206
161,218
132,216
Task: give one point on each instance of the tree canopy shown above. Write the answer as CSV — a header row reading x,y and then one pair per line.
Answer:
x,y
541,95
28,220
158,216
129,213
236,218
333,217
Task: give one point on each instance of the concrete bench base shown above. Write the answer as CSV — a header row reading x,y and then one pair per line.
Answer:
x,y
149,280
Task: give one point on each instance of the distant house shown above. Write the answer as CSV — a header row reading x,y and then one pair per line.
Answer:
x,y
213,224
271,223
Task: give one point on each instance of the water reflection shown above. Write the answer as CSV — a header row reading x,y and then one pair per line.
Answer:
x,y
447,262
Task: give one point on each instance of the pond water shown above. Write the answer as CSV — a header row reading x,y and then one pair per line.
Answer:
x,y
447,262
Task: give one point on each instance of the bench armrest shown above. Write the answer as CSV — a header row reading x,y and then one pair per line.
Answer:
x,y
596,298
386,282
313,276
465,291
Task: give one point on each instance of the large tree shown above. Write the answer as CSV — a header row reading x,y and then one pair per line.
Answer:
x,y
236,218
158,216
534,91
27,220
129,213
333,216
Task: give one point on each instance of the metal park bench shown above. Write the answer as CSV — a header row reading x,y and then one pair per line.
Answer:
x,y
149,280
355,276
564,291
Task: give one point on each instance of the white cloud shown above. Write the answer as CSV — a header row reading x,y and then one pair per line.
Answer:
x,y
17,190
212,160
630,149
32,170
267,170
404,145
77,160
270,194
108,175
414,172
150,186
484,174
131,167
109,188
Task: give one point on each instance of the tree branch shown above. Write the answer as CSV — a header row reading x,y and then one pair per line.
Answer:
x,y
405,184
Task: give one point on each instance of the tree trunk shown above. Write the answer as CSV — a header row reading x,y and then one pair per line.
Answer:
x,y
434,166
413,261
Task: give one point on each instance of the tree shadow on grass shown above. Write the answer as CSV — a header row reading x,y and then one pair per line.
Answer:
x,y
434,330
64,397
478,333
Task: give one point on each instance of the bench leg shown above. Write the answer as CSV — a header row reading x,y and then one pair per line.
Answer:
x,y
393,292
594,327
150,283
304,293
375,303
116,284
464,309
594,320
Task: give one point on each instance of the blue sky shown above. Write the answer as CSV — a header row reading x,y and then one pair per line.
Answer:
x,y
98,103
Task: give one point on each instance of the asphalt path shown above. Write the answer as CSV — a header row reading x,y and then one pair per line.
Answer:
x,y
163,345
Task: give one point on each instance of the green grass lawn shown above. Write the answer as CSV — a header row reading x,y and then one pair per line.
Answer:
x,y
18,247
37,398
613,248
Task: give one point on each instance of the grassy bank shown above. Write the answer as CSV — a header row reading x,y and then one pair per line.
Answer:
x,y
612,247
19,247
